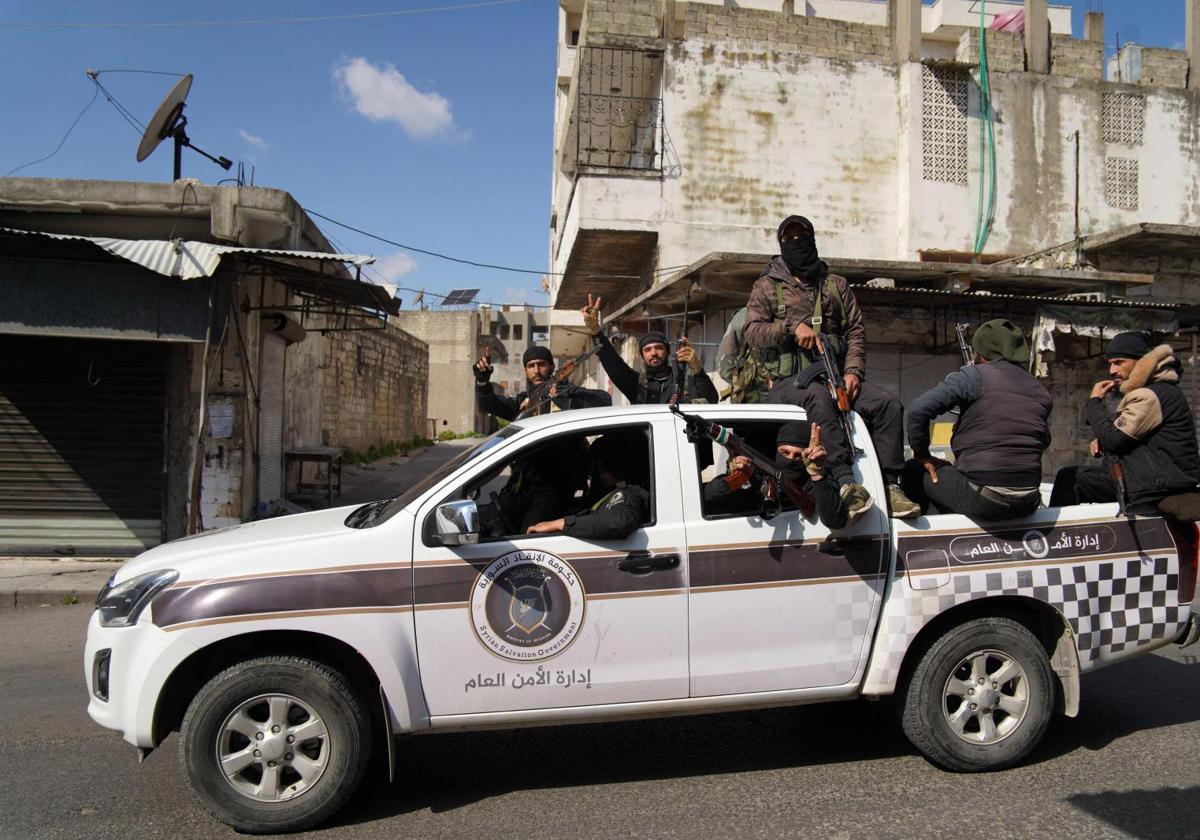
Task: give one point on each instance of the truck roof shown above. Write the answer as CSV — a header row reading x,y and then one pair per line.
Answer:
x,y
621,412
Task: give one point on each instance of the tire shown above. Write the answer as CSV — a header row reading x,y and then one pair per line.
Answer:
x,y
1010,714
267,784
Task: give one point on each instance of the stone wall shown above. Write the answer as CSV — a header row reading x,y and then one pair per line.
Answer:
x,y
1163,67
620,18
1077,59
375,387
453,342
1005,51
821,37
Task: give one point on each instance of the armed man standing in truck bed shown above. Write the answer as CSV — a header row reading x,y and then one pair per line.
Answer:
x,y
794,300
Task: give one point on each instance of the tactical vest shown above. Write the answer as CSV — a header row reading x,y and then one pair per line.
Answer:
x,y
782,362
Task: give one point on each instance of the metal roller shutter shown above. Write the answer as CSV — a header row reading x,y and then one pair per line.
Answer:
x,y
81,445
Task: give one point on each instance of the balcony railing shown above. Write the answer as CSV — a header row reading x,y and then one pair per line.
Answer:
x,y
618,118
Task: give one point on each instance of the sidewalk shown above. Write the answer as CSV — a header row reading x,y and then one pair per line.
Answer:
x,y
45,581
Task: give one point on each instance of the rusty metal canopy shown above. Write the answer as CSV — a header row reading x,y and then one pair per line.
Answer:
x,y
1146,239
722,280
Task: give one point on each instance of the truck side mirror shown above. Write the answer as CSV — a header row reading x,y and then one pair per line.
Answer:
x,y
458,523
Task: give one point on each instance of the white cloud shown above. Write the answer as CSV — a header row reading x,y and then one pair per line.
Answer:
x,y
395,265
254,140
382,94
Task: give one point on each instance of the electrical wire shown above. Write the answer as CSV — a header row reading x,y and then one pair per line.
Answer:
x,y
62,142
984,220
462,261
258,21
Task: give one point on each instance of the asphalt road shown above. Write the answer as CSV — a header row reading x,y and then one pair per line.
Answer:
x,y
1126,767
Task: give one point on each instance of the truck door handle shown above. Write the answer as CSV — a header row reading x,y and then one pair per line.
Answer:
x,y
643,562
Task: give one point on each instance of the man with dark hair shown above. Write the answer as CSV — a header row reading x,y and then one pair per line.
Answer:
x,y
1002,430
539,369
794,300
801,457
1152,435
656,383
623,507
542,482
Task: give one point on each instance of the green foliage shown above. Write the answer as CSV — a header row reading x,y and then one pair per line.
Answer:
x,y
68,600
387,450
450,434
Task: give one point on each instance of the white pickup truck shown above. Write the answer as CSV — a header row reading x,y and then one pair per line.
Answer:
x,y
286,651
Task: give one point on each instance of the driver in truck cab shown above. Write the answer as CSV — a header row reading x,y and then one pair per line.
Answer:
x,y
623,504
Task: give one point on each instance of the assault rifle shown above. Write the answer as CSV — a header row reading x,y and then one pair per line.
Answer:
x,y
964,346
698,429
837,390
681,367
541,396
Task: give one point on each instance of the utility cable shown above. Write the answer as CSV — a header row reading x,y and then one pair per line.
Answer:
x,y
62,142
462,261
257,21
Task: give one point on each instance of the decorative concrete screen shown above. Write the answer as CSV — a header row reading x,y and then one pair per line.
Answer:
x,y
1123,118
944,124
1121,183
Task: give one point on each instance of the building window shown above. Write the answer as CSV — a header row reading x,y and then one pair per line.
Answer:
x,y
618,116
516,386
504,332
1123,118
518,331
1121,183
944,124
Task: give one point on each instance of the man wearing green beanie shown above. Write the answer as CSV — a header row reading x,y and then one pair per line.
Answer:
x,y
1002,430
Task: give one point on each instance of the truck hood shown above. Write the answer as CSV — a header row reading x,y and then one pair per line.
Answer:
x,y
186,553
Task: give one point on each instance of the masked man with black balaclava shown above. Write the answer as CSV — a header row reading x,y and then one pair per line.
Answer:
x,y
657,381
795,299
801,457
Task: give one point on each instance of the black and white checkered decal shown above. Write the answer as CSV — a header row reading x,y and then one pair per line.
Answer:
x,y
1115,582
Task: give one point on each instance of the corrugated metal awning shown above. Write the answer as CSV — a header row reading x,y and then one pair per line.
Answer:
x,y
188,259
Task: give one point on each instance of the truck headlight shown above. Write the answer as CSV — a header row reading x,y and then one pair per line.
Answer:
x,y
120,605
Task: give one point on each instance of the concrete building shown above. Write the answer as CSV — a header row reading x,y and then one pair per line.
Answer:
x,y
163,346
685,130
456,339
518,327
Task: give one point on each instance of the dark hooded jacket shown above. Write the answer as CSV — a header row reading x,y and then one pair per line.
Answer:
x,y
840,313
1152,434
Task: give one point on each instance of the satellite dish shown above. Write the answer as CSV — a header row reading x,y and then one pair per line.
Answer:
x,y
169,121
420,297
163,122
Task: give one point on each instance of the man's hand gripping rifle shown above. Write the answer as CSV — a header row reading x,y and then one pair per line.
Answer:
x,y
828,370
700,429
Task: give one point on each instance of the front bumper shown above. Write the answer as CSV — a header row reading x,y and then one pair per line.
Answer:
x,y
140,659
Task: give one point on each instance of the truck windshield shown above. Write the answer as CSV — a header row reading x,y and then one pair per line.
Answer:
x,y
373,513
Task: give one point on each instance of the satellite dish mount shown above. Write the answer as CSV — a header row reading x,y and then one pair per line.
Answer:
x,y
169,121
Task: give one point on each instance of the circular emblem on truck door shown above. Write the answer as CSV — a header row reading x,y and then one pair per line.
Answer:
x,y
527,605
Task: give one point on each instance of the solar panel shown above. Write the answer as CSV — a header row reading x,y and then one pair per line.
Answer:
x,y
459,297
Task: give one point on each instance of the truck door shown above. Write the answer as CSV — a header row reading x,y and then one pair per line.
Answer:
x,y
779,603
549,620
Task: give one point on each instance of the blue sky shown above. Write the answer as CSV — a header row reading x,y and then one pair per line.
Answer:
x,y
430,129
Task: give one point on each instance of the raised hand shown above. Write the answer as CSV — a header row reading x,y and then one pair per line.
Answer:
x,y
483,368
814,454
591,314
687,355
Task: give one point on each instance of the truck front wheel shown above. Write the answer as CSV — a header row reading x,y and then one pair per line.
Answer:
x,y
275,744
980,698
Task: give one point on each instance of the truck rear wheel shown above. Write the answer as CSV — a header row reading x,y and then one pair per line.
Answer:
x,y
981,697
275,744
